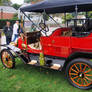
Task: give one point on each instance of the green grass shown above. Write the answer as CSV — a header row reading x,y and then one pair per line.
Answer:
x,y
26,78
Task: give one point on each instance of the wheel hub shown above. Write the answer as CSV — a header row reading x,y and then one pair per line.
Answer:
x,y
81,75
6,59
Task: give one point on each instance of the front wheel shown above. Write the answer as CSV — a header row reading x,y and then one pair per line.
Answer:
x,y
7,59
79,73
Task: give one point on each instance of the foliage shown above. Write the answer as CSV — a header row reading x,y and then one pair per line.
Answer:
x,y
5,2
28,1
68,16
45,16
16,6
15,17
3,22
26,78
90,14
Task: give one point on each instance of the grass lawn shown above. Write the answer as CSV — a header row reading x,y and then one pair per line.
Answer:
x,y
26,78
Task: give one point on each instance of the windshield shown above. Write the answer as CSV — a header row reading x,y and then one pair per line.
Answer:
x,y
52,22
32,25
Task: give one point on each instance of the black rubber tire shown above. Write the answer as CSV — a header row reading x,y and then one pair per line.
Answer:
x,y
79,60
13,59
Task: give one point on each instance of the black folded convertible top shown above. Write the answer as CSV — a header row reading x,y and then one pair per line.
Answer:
x,y
59,6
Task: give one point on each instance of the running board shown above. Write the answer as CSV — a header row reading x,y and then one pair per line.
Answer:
x,y
54,66
33,62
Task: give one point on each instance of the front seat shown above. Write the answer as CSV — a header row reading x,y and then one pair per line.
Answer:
x,y
87,27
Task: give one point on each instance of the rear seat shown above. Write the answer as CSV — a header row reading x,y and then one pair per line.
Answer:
x,y
36,46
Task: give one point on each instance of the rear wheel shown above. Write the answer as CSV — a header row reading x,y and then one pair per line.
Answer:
x,y
7,59
79,73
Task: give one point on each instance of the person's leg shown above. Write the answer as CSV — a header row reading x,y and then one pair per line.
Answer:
x,y
15,37
7,40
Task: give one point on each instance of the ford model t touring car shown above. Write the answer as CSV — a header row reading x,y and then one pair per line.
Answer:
x,y
68,48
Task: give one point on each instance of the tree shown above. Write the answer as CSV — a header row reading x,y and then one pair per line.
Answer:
x,y
28,1
1,2
90,14
5,2
16,6
15,16
68,17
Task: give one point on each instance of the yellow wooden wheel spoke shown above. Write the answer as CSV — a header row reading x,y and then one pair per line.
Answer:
x,y
76,67
74,70
80,67
88,74
85,80
78,80
82,83
88,79
75,77
84,67
88,71
73,74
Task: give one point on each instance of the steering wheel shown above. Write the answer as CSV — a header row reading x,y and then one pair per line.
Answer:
x,y
44,28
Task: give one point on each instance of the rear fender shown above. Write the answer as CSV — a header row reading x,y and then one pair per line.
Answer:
x,y
78,55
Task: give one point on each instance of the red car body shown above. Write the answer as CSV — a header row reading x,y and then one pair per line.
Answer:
x,y
61,46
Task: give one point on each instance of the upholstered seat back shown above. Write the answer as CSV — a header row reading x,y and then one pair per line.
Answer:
x,y
33,37
87,26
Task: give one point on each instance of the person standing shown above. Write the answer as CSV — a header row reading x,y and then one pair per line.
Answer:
x,y
20,29
15,31
8,32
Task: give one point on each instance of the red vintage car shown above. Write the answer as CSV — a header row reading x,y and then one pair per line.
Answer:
x,y
67,48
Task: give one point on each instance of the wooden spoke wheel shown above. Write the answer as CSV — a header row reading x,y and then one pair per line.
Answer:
x,y
79,73
7,59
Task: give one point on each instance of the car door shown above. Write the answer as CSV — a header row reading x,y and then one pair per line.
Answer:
x,y
62,46
47,47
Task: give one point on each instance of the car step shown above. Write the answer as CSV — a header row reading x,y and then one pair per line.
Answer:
x,y
56,66
33,62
